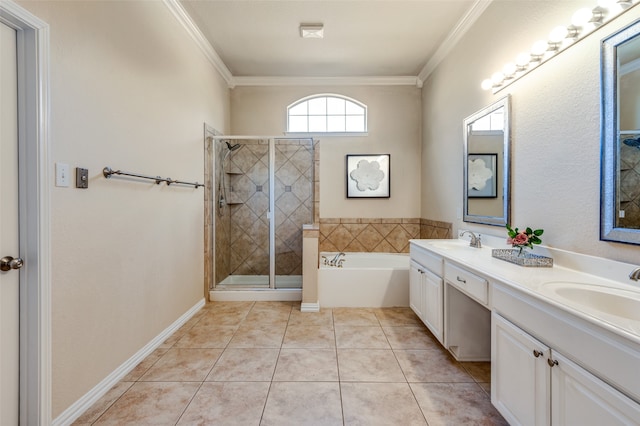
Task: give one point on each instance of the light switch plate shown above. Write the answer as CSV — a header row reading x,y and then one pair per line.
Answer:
x,y
62,174
82,178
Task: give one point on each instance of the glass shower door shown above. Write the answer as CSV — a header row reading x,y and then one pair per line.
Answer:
x,y
262,196
292,207
245,187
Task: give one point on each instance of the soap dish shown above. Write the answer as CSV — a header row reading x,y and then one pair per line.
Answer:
x,y
525,259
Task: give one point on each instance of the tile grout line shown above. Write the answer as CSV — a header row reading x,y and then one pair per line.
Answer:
x,y
335,339
275,367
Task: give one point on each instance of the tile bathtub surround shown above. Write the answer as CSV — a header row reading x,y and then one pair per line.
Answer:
x,y
435,229
389,235
267,363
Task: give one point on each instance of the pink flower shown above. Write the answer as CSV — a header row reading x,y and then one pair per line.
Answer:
x,y
520,239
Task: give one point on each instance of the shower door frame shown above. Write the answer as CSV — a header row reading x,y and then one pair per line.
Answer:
x,y
272,201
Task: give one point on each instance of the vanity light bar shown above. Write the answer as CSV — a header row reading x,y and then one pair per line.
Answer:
x,y
583,22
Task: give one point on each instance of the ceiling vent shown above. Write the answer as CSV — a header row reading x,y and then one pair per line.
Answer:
x,y
311,30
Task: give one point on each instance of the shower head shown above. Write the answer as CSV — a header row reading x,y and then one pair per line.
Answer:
x,y
232,147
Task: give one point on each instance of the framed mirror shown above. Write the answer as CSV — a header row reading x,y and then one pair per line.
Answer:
x,y
486,165
620,138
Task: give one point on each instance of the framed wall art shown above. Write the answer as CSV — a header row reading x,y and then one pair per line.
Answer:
x,y
368,176
483,182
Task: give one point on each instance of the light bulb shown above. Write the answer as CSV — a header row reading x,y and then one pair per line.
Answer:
x,y
538,48
486,84
522,60
509,70
581,17
558,34
497,78
607,4
615,9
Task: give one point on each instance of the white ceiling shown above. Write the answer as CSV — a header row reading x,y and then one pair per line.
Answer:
x,y
362,38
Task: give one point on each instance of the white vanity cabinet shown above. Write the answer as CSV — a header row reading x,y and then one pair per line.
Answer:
x,y
534,384
469,283
551,363
520,380
580,398
426,289
416,298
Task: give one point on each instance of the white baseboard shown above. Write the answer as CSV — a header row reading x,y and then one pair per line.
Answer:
x,y
69,415
310,307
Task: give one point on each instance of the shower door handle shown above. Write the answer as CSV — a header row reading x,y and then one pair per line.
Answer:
x,y
269,215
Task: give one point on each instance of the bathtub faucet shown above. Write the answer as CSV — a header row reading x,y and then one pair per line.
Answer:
x,y
635,274
336,261
475,240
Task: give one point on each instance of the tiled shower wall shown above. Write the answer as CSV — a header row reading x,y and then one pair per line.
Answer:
x,y
378,235
242,240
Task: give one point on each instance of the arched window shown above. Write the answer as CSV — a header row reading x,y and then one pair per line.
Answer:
x,y
326,114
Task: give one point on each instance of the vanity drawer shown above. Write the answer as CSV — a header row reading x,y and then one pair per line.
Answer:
x,y
471,284
427,259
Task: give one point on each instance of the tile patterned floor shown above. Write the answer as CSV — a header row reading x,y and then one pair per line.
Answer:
x,y
267,363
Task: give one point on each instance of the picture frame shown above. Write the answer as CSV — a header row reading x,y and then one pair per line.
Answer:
x,y
482,175
368,175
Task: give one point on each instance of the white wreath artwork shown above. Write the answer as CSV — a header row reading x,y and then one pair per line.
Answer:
x,y
367,175
479,174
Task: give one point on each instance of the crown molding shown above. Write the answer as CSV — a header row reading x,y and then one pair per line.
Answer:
x,y
192,29
328,81
454,37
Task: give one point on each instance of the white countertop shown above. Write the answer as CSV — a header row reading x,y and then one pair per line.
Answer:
x,y
532,280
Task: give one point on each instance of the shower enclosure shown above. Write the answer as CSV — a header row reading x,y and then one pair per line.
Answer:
x,y
262,195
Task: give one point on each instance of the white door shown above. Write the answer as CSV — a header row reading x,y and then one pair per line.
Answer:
x,y
520,375
432,286
9,237
415,289
579,398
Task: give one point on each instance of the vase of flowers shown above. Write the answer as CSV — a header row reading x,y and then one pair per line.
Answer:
x,y
523,239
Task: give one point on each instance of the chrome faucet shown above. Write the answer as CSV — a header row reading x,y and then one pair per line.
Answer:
x,y
334,261
475,239
635,274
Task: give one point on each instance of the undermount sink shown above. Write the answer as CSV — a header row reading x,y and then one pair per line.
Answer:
x,y
612,301
450,244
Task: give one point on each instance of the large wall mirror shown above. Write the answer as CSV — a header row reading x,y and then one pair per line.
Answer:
x,y
486,165
620,156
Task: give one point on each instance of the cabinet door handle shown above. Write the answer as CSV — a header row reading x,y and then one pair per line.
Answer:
x,y
537,353
552,362
461,280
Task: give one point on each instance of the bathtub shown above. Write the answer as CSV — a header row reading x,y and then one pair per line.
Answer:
x,y
367,280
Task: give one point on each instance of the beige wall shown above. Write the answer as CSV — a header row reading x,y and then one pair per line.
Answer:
x,y
394,128
130,90
629,97
555,126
